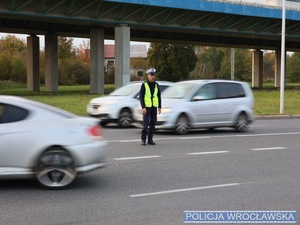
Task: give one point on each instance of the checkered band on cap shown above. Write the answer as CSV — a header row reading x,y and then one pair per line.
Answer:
x,y
151,71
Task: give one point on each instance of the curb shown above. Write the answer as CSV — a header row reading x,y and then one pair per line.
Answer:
x,y
276,117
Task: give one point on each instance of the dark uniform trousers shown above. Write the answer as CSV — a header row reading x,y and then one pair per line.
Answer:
x,y
149,121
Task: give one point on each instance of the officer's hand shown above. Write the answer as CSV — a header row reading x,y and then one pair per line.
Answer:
x,y
159,110
144,110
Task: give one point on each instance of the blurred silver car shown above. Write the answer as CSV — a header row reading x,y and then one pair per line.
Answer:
x,y
50,144
118,106
204,104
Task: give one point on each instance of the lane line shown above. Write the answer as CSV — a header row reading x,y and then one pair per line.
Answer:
x,y
134,140
138,157
188,138
270,134
204,137
266,149
183,190
206,153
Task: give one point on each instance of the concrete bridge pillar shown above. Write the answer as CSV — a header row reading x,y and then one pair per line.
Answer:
x,y
257,68
51,61
122,56
33,63
278,68
97,61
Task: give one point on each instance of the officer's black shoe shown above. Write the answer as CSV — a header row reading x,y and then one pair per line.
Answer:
x,y
151,142
143,142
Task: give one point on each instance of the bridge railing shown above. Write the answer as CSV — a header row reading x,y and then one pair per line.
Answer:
x,y
290,5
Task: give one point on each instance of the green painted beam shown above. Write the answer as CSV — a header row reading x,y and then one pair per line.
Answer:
x,y
197,19
219,20
106,12
153,16
46,11
175,18
82,8
234,21
132,13
23,5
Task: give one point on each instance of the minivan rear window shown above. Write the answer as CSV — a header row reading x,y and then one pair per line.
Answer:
x,y
230,90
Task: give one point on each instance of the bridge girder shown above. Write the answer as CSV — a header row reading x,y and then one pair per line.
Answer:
x,y
148,23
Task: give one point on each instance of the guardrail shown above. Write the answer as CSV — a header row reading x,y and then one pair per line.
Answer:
x,y
290,5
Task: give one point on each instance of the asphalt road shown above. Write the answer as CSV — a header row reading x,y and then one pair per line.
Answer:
x,y
204,170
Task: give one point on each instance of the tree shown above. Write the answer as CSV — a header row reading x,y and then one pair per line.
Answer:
x,y
293,67
173,62
73,68
83,52
213,57
269,66
242,65
18,72
12,59
183,60
209,61
225,69
138,62
65,48
74,71
158,58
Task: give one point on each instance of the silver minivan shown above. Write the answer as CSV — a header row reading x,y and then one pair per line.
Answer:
x,y
205,104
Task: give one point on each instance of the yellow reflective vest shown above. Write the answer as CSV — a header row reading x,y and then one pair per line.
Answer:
x,y
148,99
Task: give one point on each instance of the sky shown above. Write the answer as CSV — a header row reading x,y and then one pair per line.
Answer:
x,y
76,41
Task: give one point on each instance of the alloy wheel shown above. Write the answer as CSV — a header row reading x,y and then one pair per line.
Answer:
x,y
241,123
125,119
182,126
55,169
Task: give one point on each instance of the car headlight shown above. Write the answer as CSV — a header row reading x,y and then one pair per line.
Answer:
x,y
166,110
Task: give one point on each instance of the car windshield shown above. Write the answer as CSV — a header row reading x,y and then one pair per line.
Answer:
x,y
126,90
179,90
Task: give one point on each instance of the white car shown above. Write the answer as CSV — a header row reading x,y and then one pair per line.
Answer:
x,y
119,105
49,144
204,104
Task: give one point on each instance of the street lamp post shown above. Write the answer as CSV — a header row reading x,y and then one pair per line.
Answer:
x,y
232,63
282,67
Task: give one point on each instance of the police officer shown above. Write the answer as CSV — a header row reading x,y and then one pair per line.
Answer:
x,y
150,103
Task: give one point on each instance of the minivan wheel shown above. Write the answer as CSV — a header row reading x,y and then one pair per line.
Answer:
x,y
55,169
125,119
182,125
241,123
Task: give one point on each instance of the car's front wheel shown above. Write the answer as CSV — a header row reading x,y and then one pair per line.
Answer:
x,y
182,125
125,119
55,169
241,124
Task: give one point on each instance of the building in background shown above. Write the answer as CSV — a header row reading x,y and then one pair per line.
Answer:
x,y
138,59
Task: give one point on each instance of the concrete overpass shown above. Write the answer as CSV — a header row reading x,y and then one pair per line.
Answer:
x,y
251,24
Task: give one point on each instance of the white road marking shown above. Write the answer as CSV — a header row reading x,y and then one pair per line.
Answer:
x,y
270,134
134,140
206,153
138,157
203,137
187,138
183,190
266,149
115,130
